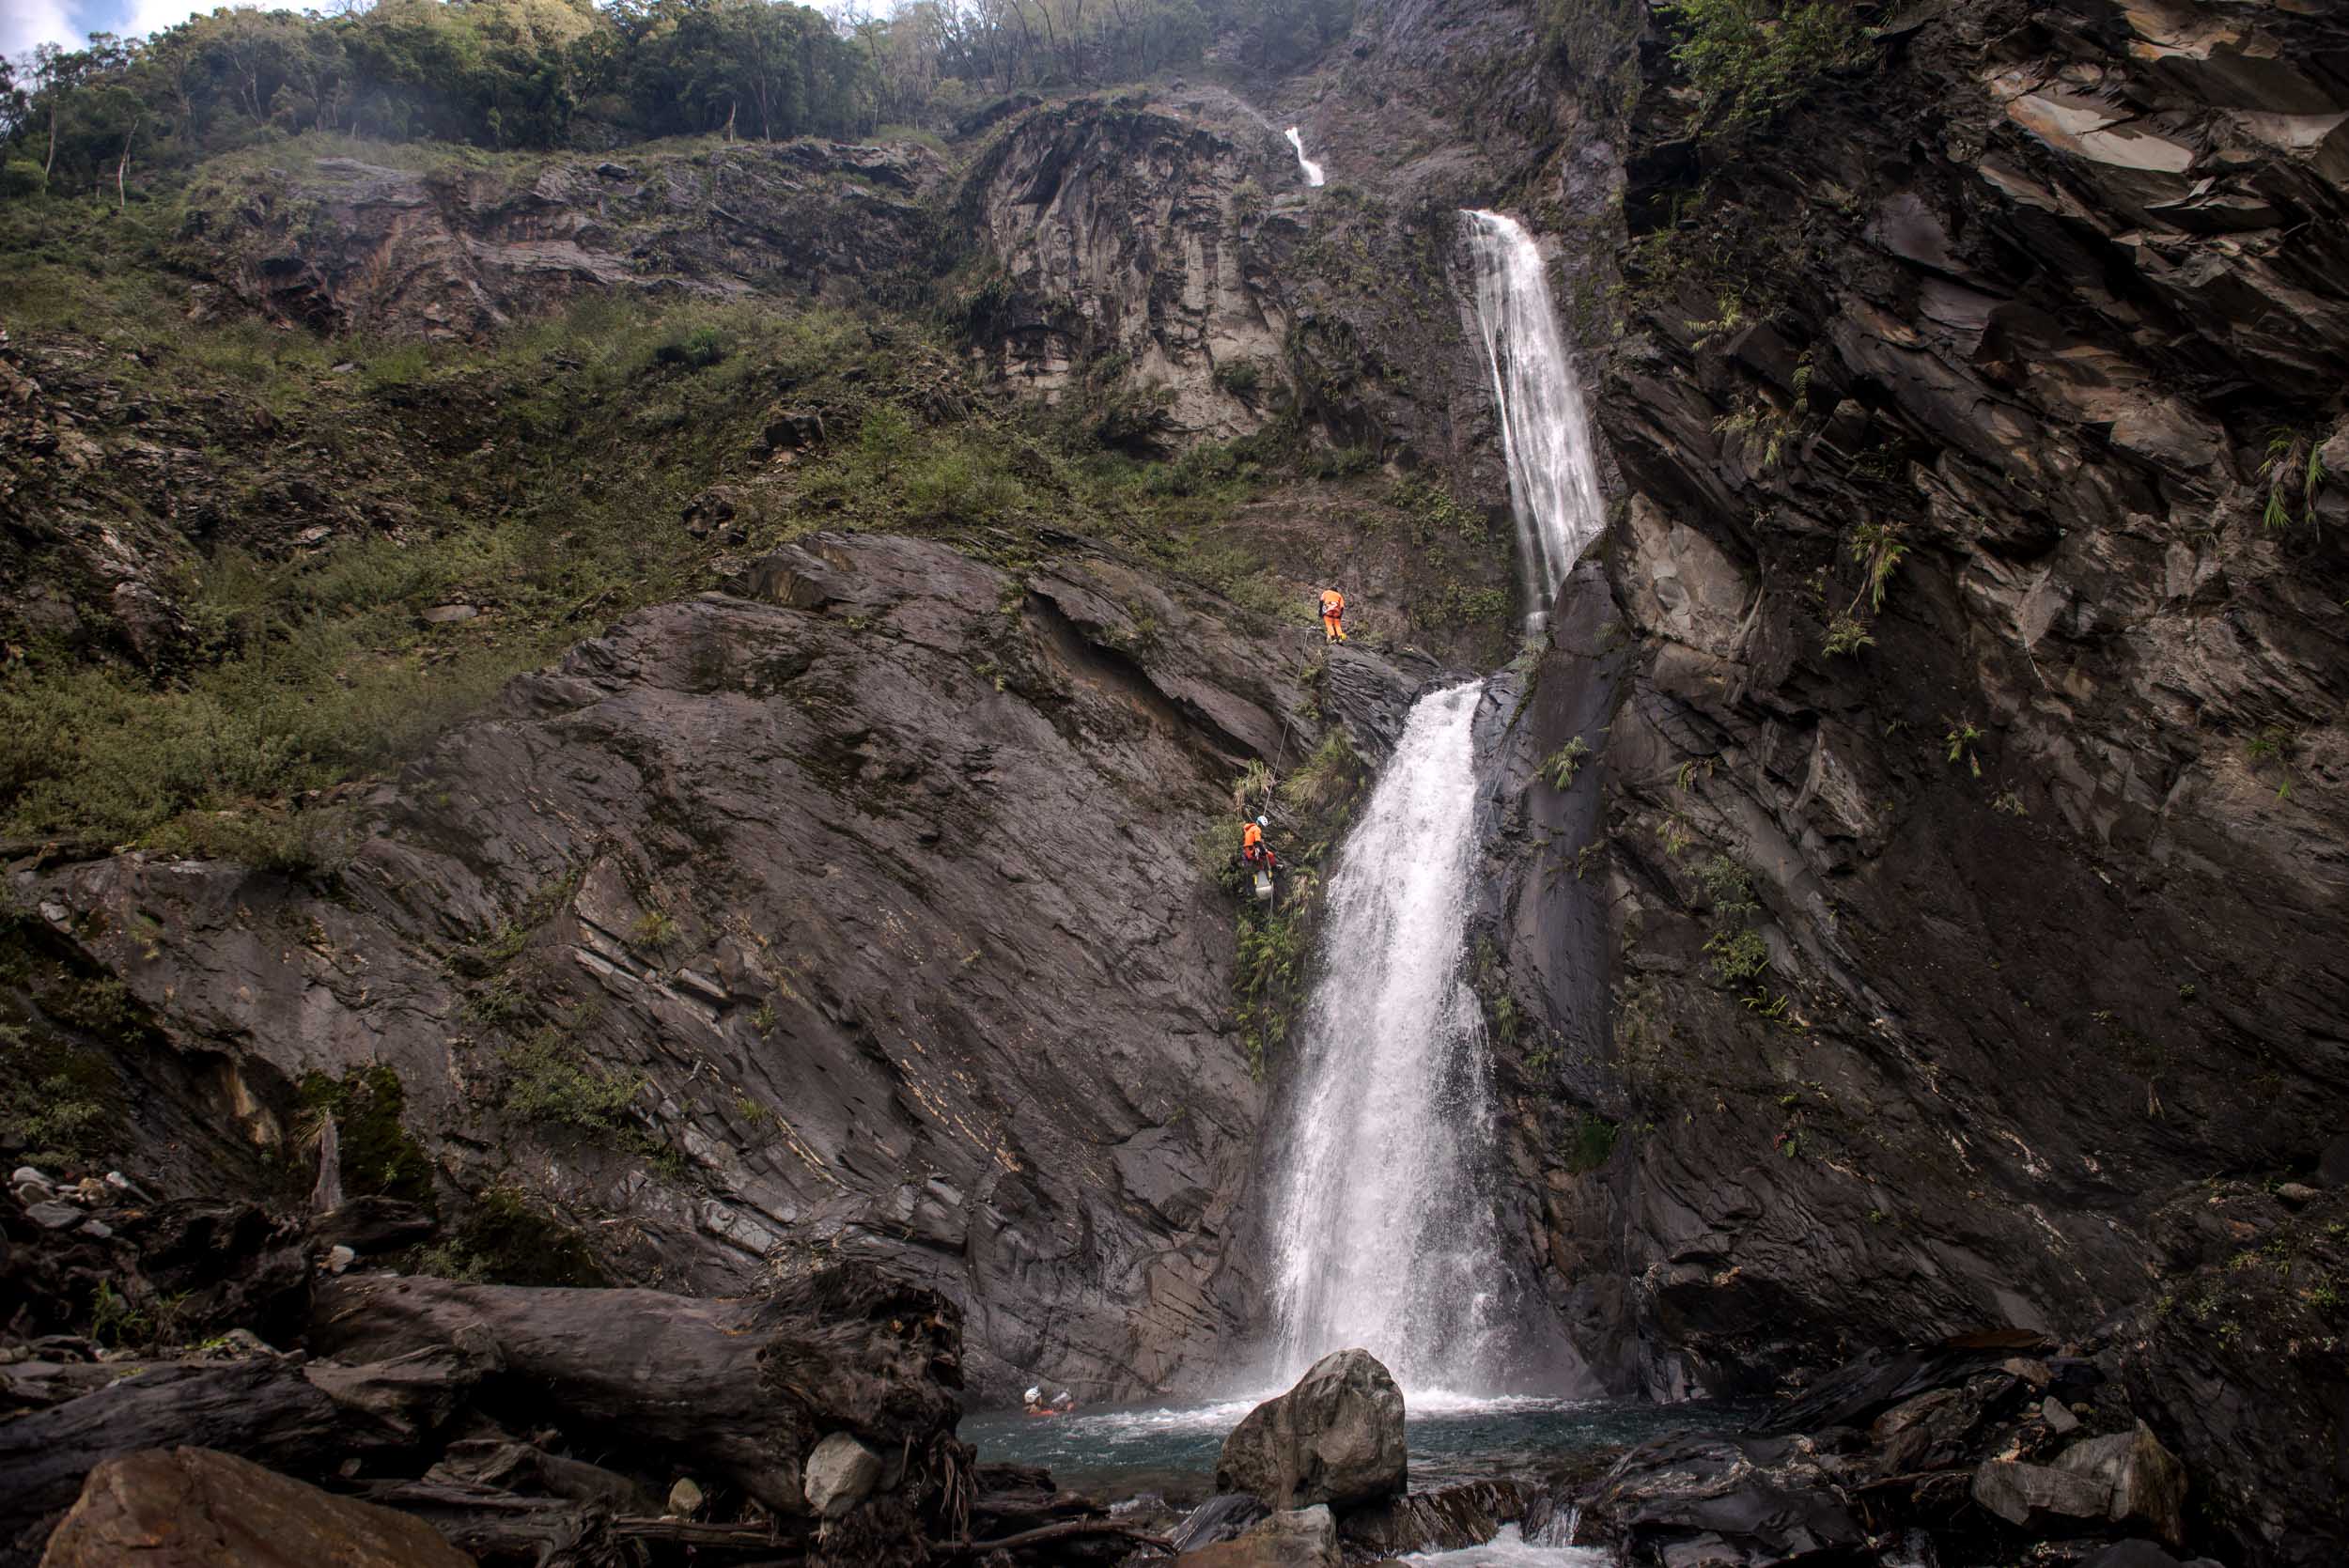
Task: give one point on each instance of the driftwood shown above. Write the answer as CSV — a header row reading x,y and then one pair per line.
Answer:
x,y
265,1410
497,1525
737,1389
1068,1531
426,1375
632,1369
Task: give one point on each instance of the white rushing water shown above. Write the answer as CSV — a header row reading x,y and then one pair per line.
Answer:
x,y
1544,433
1382,1237
1312,170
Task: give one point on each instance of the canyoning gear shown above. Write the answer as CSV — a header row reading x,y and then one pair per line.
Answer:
x,y
1263,822
1332,616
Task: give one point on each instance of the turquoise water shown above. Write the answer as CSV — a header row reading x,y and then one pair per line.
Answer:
x,y
1123,1451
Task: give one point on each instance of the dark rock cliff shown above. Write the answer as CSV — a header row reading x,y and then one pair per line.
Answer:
x,y
860,914
1964,931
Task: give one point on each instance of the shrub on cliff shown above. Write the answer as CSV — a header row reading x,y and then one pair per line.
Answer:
x,y
1746,64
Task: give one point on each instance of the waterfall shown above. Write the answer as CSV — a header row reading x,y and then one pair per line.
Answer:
x,y
1382,1237
1312,170
1544,435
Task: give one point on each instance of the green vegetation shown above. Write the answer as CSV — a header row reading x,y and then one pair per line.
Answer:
x,y
1272,941
656,929
1739,955
1590,1142
550,74
1877,548
1963,740
551,1082
377,1153
501,1239
52,1101
1846,635
1562,765
1267,978
2294,470
1749,59
2270,752
527,492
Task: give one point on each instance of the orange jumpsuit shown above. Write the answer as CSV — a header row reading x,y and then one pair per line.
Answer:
x,y
1251,842
1332,616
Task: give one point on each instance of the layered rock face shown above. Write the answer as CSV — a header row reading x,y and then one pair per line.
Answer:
x,y
858,913
1120,233
1972,805
345,245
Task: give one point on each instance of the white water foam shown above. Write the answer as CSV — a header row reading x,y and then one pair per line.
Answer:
x,y
1510,1549
1382,1237
1311,169
1545,432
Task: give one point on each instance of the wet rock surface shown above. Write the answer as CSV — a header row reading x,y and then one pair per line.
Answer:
x,y
1336,1437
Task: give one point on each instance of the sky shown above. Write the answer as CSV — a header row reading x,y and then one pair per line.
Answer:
x,y
27,23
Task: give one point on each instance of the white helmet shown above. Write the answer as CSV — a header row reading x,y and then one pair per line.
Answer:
x,y
1033,1396
1263,822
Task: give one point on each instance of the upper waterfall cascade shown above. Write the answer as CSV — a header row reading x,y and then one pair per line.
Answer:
x,y
1311,169
1384,1240
1545,431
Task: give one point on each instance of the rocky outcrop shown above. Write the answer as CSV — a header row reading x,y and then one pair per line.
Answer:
x,y
1967,1450
1336,1437
804,922
1117,238
459,250
1294,1538
1450,1518
1977,329
192,1508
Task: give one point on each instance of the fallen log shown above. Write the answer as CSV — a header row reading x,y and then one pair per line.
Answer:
x,y
1071,1530
263,1409
742,1391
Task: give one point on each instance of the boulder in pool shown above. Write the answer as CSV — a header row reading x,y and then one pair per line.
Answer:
x,y
1335,1438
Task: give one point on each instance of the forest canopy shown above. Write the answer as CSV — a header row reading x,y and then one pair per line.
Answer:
x,y
575,74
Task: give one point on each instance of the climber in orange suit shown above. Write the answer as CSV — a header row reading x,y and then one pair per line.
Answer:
x,y
1254,850
1332,616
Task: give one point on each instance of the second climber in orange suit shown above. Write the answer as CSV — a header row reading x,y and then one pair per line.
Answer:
x,y
1332,616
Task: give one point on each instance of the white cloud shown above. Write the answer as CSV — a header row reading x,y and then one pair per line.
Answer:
x,y
27,23
152,16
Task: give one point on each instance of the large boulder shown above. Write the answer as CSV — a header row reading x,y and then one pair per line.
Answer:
x,y
1335,1438
2148,1484
1722,1500
2039,1496
193,1508
1299,1538
841,1473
